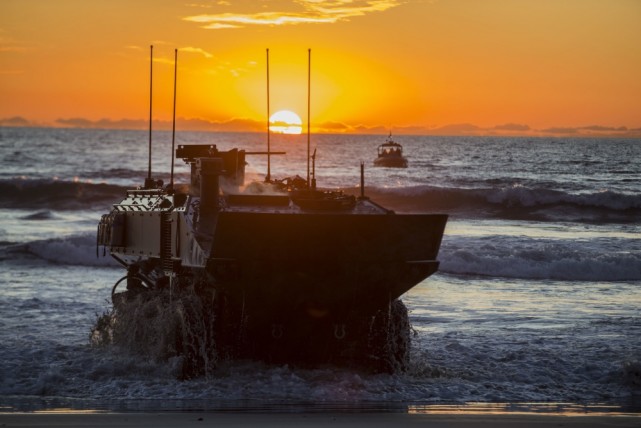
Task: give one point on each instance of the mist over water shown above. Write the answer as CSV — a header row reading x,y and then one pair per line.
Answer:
x,y
537,297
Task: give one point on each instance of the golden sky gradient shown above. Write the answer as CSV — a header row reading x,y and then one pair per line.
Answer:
x,y
412,65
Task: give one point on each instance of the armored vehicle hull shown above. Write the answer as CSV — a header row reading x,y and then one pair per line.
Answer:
x,y
298,276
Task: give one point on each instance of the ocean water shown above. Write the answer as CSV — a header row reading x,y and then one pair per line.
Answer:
x,y
537,300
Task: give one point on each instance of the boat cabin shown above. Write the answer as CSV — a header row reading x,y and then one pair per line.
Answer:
x,y
390,154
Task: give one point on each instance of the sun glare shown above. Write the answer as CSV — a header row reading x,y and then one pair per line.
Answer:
x,y
285,122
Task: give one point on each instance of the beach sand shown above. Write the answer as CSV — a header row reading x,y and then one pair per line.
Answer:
x,y
336,420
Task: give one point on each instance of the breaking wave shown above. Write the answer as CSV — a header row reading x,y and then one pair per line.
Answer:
x,y
517,257
40,215
514,202
511,202
491,256
56,195
72,250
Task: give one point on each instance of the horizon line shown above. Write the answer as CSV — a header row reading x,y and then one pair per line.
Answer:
x,y
242,125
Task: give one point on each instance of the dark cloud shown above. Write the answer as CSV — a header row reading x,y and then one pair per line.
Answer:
x,y
338,128
567,131
457,128
512,127
79,122
334,126
362,129
598,128
250,125
16,121
233,125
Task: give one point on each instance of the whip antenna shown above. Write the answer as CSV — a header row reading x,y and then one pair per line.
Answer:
x,y
268,178
309,74
148,182
173,129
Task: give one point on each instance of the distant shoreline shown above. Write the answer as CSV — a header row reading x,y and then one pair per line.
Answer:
x,y
250,126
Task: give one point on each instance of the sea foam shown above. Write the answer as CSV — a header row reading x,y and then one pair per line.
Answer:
x,y
531,258
73,250
513,202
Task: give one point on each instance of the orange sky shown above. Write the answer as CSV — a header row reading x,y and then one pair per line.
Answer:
x,y
413,65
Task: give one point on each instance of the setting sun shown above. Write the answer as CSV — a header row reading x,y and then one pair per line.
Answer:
x,y
285,122
442,67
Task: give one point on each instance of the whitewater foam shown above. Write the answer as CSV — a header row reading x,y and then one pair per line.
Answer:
x,y
530,258
72,250
55,194
480,335
40,215
514,202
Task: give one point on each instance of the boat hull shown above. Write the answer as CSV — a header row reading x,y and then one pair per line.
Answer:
x,y
300,277
321,263
391,162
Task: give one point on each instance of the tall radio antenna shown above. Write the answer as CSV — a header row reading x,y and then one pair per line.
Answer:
x,y
309,74
148,181
173,129
268,178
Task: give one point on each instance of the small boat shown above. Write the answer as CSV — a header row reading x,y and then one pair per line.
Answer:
x,y
390,154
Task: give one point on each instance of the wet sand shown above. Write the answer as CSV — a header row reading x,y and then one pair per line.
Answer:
x,y
364,420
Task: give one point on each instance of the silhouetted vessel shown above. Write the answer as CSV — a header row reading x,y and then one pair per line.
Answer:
x,y
298,276
277,271
390,154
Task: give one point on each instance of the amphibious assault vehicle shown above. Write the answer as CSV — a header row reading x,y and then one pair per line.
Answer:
x,y
285,273
291,275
